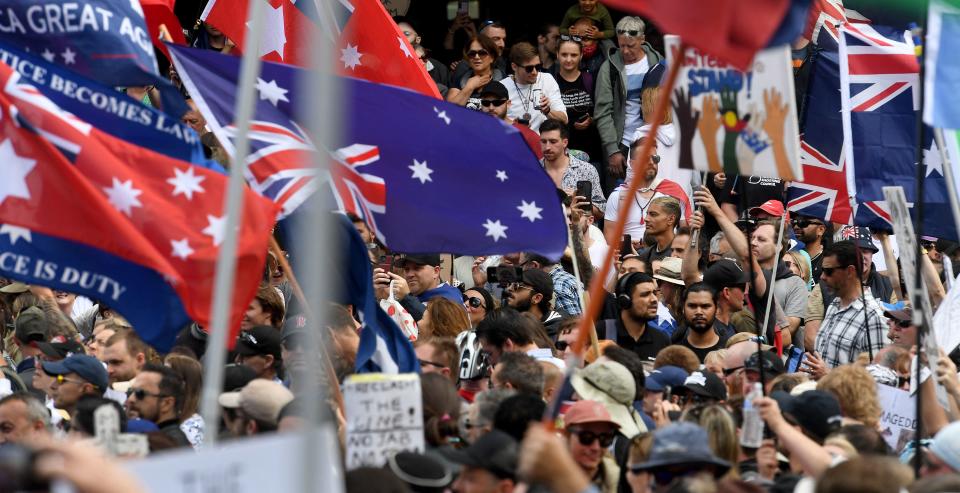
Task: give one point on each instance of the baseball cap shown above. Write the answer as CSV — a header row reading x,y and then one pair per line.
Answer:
x,y
772,364
261,399
682,444
60,348
725,273
235,376
669,271
259,340
496,451
706,384
665,376
587,412
428,259
15,287
30,325
946,445
495,88
540,281
816,411
860,236
773,207
423,472
904,314
293,325
86,367
612,385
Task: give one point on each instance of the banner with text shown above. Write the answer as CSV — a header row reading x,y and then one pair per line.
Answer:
x,y
384,416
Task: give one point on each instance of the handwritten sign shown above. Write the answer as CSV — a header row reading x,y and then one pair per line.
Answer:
x,y
108,436
898,416
384,416
733,121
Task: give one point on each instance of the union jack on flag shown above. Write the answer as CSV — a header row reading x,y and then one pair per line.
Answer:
x,y
824,21
356,192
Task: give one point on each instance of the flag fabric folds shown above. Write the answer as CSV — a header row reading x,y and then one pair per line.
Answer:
x,y
160,12
476,189
383,346
104,40
287,30
942,84
737,28
87,213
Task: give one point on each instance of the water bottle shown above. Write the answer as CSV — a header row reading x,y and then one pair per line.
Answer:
x,y
751,435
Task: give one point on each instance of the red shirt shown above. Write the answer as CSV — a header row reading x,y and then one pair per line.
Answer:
x,y
533,140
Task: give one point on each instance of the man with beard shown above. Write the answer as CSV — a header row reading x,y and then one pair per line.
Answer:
x,y
637,299
812,232
495,101
533,294
699,313
345,340
156,394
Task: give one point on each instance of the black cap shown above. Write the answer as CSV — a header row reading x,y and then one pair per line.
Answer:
x,y
428,259
816,411
495,88
31,325
260,340
725,273
495,451
540,281
60,349
772,364
706,384
423,472
653,76
236,377
293,325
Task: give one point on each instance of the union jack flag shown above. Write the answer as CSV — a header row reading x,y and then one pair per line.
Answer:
x,y
824,21
823,192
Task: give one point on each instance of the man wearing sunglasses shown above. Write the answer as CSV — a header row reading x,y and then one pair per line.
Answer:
x,y
589,431
618,84
901,331
75,377
495,101
812,232
156,394
534,95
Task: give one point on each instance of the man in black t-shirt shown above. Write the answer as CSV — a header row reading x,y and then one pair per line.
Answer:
x,y
756,190
699,313
631,330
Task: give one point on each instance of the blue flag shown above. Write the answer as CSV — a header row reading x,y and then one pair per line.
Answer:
x,y
383,346
427,176
106,108
105,40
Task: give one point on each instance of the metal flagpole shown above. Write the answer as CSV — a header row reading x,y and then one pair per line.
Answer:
x,y
227,258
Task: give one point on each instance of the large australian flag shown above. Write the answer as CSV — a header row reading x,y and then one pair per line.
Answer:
x,y
426,175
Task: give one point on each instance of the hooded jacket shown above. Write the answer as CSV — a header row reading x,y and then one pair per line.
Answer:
x,y
610,110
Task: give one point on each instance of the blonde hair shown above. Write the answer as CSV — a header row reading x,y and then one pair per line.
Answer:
x,y
648,99
802,263
857,392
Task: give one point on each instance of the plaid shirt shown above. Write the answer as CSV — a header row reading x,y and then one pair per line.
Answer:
x,y
841,337
565,291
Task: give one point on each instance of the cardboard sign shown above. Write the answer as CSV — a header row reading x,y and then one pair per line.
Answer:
x,y
384,416
741,122
898,416
273,462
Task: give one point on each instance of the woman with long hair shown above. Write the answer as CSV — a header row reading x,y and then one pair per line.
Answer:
x,y
443,318
576,91
191,371
480,53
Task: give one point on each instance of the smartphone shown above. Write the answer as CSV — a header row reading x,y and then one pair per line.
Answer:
x,y
626,246
386,262
795,359
585,189
583,117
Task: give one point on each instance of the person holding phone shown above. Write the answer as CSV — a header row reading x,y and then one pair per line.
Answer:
x,y
576,91
534,95
566,170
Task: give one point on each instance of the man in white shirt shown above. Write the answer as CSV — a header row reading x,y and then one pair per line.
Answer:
x,y
534,96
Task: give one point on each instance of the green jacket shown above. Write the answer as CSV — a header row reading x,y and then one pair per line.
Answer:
x,y
610,95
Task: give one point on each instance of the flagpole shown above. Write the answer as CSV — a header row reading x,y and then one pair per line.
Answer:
x,y
918,318
770,285
948,177
219,329
597,284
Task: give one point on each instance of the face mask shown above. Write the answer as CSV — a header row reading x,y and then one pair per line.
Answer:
x,y
589,51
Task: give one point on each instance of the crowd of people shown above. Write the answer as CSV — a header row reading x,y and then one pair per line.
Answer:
x,y
722,312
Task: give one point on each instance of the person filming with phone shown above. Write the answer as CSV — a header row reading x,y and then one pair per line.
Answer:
x,y
566,170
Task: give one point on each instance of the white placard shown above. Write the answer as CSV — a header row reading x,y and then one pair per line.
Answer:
x,y
898,416
272,462
384,416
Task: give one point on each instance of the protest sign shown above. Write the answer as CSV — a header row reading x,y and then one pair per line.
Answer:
x,y
737,122
384,416
252,465
898,416
946,322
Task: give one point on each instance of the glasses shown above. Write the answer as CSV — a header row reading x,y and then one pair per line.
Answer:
x,y
248,338
730,371
474,302
904,324
575,39
477,53
655,158
633,33
562,345
803,223
829,270
492,102
790,264
928,245
141,394
488,23
588,437
516,286
424,362
62,380
530,68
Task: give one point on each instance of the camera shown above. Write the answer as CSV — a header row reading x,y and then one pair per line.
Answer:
x,y
17,469
504,275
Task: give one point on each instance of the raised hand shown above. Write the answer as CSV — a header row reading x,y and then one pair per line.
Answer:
x,y
686,119
733,124
709,124
777,112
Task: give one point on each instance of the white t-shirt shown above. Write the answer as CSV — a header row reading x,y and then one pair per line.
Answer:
x,y
598,252
669,152
525,98
635,73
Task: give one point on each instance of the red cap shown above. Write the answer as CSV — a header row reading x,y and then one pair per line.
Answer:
x,y
587,412
772,207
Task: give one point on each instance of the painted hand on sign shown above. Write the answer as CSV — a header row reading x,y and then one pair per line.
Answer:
x,y
687,119
777,112
709,124
733,125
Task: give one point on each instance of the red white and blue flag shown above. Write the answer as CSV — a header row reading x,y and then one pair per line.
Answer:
x,y
88,213
824,21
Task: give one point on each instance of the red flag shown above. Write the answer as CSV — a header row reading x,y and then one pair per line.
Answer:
x,y
286,29
731,30
160,12
373,48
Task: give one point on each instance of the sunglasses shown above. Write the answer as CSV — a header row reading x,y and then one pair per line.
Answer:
x,y
803,223
575,39
516,286
475,302
904,324
655,158
928,245
829,270
141,394
588,437
248,338
633,33
530,68
492,102
62,380
562,345
477,53
489,22
730,371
